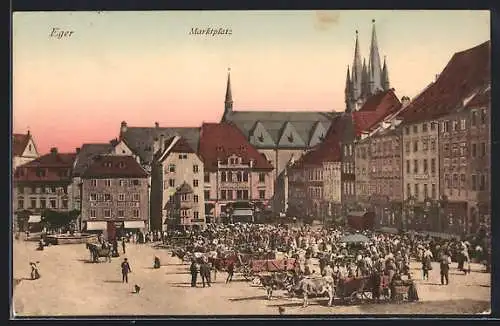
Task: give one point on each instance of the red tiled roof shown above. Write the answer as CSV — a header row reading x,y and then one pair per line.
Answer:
x,y
114,166
326,151
181,146
53,160
375,109
56,167
218,141
481,99
19,143
465,73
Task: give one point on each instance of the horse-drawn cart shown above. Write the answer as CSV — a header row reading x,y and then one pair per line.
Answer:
x,y
256,267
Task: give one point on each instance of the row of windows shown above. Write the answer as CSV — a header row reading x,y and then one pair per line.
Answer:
x,y
386,188
172,167
456,181
42,172
416,191
171,183
460,149
235,194
416,145
477,118
424,127
186,197
315,174
110,182
107,213
349,188
41,190
43,203
185,213
315,192
348,150
348,167
109,197
424,166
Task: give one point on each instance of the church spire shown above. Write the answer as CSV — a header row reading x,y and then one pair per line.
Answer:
x,y
228,103
375,70
356,70
365,84
348,90
385,76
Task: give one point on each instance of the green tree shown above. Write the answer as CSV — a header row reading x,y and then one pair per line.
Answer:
x,y
55,220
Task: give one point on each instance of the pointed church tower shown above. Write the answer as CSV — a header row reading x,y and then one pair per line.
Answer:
x,y
366,81
356,71
228,102
348,91
374,70
385,76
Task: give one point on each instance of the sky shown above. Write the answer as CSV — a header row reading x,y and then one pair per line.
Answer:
x,y
145,67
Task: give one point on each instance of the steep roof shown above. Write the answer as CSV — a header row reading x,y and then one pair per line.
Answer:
x,y
327,151
114,166
218,141
87,153
53,159
274,122
57,167
141,139
481,99
19,143
464,74
180,146
375,110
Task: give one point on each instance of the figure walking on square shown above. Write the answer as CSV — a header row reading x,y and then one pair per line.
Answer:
x,y
125,270
230,272
445,268
123,245
194,273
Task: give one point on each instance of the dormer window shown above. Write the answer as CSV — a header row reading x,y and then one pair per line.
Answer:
x,y
107,164
242,148
121,165
290,138
322,137
219,148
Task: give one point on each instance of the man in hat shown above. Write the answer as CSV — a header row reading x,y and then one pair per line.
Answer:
x,y
125,270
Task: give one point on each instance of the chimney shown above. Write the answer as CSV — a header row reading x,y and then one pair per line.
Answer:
x,y
436,77
157,124
156,145
123,129
78,150
29,132
162,142
53,150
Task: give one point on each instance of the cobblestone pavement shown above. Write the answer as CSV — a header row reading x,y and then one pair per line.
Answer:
x,y
71,286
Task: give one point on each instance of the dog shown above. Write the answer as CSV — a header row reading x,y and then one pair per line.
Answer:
x,y
137,288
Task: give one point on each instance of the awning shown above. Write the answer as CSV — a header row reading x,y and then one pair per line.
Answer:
x,y
93,226
243,212
35,219
134,224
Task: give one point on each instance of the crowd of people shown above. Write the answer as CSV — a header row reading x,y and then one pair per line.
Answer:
x,y
387,253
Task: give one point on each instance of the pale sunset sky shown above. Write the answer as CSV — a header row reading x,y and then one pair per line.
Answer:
x,y
143,67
